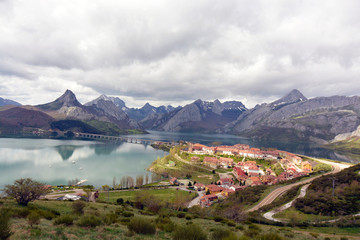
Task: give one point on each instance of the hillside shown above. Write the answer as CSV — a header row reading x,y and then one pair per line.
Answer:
x,y
296,118
13,120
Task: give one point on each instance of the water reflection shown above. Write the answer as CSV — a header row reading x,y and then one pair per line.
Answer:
x,y
57,162
66,151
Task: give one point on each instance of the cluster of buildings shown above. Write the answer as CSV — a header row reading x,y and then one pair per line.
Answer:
x,y
248,173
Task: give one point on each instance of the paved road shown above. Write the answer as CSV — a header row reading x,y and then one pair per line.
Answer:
x,y
269,215
196,201
337,167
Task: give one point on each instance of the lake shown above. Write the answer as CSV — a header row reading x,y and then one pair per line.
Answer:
x,y
312,149
60,161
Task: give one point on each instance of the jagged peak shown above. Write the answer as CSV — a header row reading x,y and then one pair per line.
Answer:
x,y
292,97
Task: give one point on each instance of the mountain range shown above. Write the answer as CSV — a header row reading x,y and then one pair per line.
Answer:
x,y
290,118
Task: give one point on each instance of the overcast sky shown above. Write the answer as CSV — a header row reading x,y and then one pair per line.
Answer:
x,y
174,52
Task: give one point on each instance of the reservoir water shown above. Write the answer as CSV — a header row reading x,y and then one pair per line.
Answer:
x,y
60,161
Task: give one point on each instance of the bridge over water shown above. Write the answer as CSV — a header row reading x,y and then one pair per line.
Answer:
x,y
120,139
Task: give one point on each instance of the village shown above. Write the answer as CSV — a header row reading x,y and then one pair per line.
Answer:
x,y
244,167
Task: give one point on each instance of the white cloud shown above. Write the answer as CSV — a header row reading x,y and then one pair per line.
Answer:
x,y
178,51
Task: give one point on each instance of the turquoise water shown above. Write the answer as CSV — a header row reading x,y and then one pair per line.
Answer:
x,y
58,161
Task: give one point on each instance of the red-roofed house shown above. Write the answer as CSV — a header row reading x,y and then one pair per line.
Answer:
x,y
237,187
207,200
214,189
226,162
226,181
212,162
199,187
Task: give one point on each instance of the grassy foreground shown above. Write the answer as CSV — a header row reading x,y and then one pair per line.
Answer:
x,y
169,194
114,220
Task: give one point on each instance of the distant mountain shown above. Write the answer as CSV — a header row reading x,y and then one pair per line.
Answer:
x,y
4,102
101,109
113,108
117,101
294,118
147,110
199,116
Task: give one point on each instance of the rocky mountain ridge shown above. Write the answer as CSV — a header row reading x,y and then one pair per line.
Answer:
x,y
199,116
295,117
4,102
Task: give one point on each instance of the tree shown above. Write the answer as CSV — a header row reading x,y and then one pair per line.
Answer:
x,y
25,190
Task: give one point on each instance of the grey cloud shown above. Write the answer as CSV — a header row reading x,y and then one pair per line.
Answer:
x,y
179,51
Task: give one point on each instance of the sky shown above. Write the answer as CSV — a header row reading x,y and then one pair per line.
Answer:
x,y
174,52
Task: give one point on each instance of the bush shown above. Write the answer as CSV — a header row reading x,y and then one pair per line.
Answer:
x,y
78,207
67,220
21,213
180,215
231,223
218,219
164,223
189,232
127,214
188,217
110,218
34,218
142,226
89,221
221,233
119,201
5,232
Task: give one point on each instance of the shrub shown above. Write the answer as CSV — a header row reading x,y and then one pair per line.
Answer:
x,y
124,221
164,223
221,233
231,223
127,214
89,221
78,207
21,213
34,218
5,232
180,215
314,235
142,226
188,217
187,232
110,218
119,201
218,219
64,219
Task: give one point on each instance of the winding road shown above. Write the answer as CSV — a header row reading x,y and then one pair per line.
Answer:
x,y
337,167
